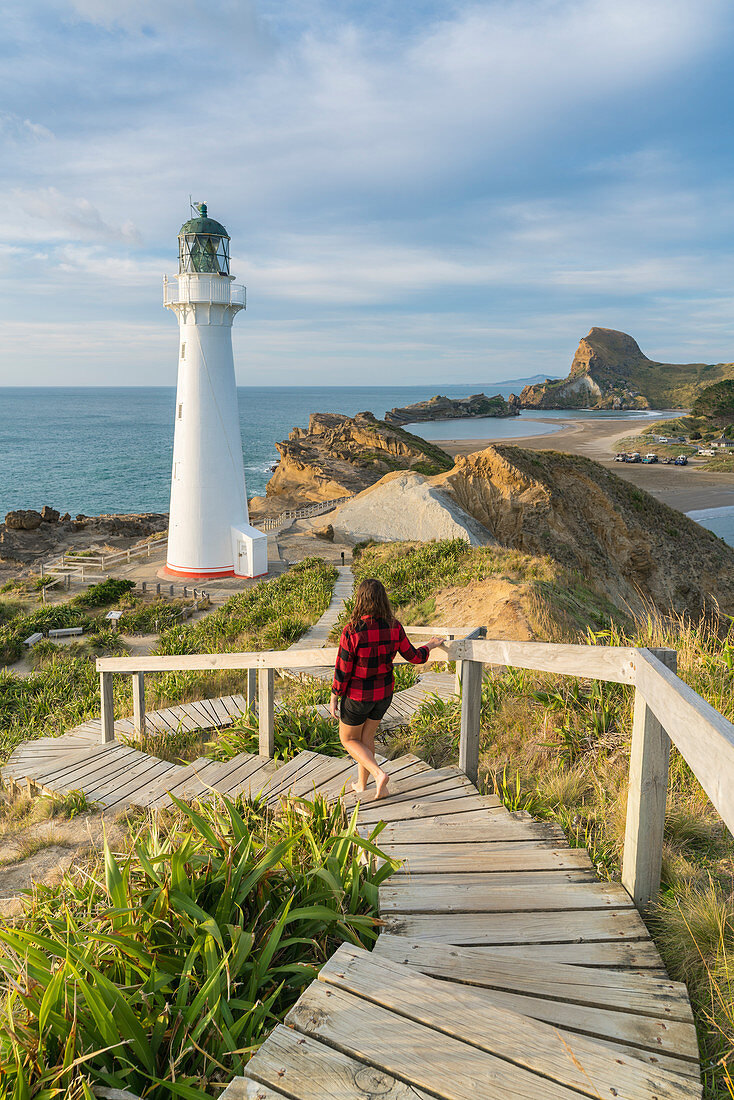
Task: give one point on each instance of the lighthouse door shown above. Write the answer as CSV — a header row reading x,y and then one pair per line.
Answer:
x,y
244,567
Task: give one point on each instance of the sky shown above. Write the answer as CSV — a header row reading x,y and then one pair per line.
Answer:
x,y
415,191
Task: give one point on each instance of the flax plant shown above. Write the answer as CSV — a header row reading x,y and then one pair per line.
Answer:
x,y
162,970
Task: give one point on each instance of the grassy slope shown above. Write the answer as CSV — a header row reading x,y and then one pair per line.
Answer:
x,y
65,688
559,747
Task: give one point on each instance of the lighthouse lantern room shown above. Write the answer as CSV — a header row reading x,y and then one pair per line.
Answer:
x,y
209,533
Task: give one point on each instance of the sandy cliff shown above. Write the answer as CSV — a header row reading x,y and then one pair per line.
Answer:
x,y
338,455
627,544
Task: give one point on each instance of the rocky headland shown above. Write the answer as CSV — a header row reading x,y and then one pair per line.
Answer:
x,y
609,371
339,455
628,546
454,408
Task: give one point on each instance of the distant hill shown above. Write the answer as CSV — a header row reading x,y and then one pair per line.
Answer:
x,y
609,371
716,403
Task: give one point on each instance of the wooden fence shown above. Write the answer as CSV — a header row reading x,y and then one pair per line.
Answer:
x,y
665,710
318,508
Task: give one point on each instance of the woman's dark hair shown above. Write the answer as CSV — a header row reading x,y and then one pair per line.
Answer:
x,y
371,600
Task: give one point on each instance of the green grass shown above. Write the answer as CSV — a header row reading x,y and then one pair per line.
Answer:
x,y
64,690
161,971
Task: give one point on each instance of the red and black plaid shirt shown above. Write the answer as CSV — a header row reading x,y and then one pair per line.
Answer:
x,y
363,669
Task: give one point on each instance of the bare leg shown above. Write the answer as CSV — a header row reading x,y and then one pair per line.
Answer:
x,y
369,729
351,739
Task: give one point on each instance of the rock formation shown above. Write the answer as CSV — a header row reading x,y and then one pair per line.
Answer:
x,y
24,541
453,408
609,371
406,505
623,541
339,455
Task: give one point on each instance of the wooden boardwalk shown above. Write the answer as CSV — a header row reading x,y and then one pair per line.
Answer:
x,y
504,967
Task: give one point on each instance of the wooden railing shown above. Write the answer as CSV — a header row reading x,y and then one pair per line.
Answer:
x,y
318,508
665,710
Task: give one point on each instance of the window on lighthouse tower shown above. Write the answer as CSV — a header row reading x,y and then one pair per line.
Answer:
x,y
200,252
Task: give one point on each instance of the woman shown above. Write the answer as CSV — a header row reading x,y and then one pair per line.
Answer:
x,y
363,677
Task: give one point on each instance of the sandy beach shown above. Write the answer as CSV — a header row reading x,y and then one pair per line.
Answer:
x,y
681,487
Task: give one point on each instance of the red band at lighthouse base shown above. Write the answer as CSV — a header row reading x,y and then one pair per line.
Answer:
x,y
198,574
207,575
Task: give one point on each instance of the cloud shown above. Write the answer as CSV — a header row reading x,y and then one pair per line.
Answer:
x,y
498,162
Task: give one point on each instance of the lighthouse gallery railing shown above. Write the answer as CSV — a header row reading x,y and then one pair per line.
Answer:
x,y
203,288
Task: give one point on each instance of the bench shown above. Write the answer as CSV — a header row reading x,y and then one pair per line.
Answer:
x,y
65,631
33,640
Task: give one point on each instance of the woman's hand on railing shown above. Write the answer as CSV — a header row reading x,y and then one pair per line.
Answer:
x,y
434,643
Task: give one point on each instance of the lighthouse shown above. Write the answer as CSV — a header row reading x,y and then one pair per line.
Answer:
x,y
209,533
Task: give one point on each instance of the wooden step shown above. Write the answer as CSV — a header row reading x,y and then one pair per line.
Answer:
x,y
470,1015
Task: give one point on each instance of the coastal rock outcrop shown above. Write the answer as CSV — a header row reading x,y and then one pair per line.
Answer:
x,y
338,455
609,371
452,408
406,505
23,519
25,545
623,541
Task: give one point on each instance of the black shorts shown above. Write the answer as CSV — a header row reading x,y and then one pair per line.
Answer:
x,y
353,712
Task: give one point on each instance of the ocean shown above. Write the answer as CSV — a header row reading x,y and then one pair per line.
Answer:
x,y
108,449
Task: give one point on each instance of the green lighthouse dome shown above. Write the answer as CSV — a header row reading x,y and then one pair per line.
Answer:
x,y
203,245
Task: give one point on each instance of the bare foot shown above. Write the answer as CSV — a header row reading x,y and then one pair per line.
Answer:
x,y
381,784
356,788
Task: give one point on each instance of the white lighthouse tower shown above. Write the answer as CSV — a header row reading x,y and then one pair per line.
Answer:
x,y
209,533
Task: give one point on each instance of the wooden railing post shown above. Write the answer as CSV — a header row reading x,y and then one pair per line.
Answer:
x,y
107,707
471,706
646,799
251,688
266,712
478,632
139,704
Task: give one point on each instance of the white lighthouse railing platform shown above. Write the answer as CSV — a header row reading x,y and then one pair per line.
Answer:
x,y
202,288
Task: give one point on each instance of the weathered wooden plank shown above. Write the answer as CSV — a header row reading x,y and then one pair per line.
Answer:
x,y
109,789
138,689
421,787
421,1056
200,714
107,704
471,705
326,769
523,855
624,955
266,712
500,880
494,829
309,1069
405,811
135,792
569,926
252,784
703,736
86,764
287,658
472,1016
220,711
412,895
634,992
184,717
615,663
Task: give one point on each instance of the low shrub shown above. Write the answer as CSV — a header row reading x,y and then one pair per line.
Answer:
x,y
104,593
